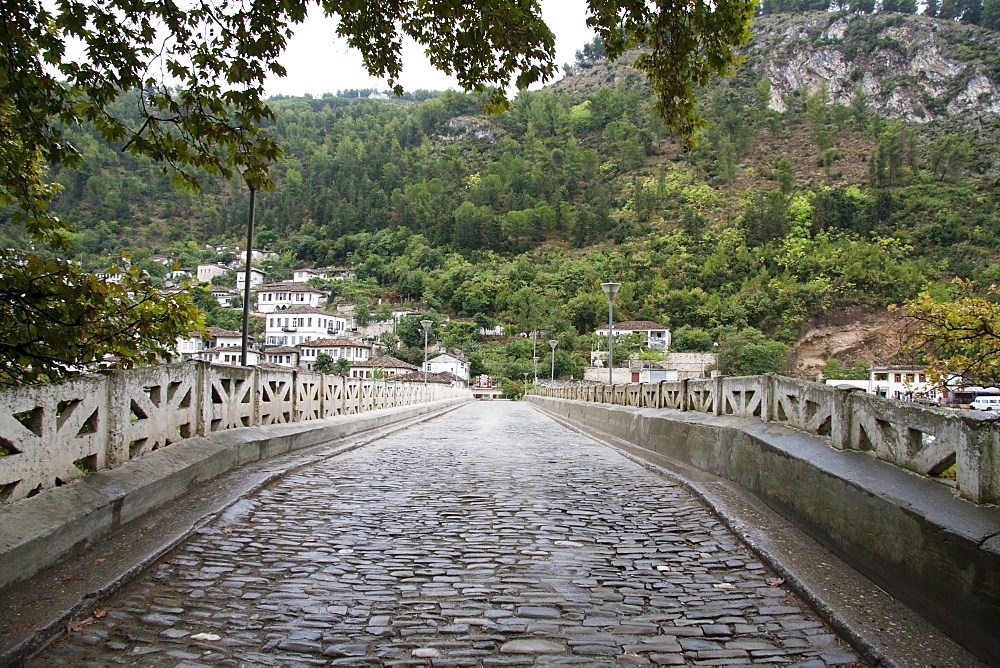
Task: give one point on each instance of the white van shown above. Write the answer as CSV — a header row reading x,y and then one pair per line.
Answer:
x,y
986,402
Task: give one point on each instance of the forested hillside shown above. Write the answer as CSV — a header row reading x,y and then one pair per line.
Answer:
x,y
852,161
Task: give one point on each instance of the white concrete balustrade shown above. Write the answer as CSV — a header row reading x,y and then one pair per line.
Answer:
x,y
55,433
928,441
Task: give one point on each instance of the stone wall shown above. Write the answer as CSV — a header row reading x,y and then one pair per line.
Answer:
x,y
869,478
53,434
953,446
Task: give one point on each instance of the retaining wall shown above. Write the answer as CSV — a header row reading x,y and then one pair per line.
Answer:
x,y
878,507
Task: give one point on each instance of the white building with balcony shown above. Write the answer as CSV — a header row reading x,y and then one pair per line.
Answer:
x,y
657,337
301,324
277,296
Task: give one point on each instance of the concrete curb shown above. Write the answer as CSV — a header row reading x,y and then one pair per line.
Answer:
x,y
910,535
37,532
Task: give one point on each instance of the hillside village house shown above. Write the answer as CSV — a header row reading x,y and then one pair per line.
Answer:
x,y
213,337
453,363
224,296
351,350
206,272
256,277
275,296
284,356
229,355
657,337
896,382
303,275
300,324
225,338
390,367
189,346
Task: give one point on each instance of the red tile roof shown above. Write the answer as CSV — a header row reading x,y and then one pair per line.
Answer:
x,y
325,343
289,286
385,362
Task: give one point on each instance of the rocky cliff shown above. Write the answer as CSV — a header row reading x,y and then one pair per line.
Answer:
x,y
906,67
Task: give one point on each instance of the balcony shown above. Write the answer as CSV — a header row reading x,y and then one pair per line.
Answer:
x,y
289,328
332,330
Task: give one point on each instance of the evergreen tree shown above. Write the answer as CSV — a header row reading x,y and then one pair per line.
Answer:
x,y
991,15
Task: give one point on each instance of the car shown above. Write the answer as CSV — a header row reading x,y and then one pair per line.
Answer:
x,y
927,401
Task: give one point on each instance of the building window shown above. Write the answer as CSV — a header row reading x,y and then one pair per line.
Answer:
x,y
899,377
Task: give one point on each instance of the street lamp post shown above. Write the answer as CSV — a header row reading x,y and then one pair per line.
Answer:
x,y
426,324
553,343
610,290
246,278
534,361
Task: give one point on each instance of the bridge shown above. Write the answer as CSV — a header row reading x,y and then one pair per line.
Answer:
x,y
202,515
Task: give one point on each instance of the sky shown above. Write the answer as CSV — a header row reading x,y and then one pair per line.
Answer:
x,y
318,62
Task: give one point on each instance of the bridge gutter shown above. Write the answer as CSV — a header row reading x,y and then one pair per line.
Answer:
x,y
913,536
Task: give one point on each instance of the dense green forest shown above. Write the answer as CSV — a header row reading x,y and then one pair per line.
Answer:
x,y
774,217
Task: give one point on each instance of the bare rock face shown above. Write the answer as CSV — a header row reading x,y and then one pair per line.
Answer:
x,y
910,68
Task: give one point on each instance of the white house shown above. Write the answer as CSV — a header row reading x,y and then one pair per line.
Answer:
x,y
390,366
303,275
300,324
351,350
229,355
896,382
453,363
189,346
225,338
657,336
286,356
257,277
260,256
206,272
275,296
224,296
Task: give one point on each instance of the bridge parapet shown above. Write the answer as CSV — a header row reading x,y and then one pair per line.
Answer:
x,y
929,441
55,433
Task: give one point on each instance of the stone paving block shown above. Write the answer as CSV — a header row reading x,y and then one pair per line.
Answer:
x,y
488,537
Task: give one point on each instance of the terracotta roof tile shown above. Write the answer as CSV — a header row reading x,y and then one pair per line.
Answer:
x,y
385,362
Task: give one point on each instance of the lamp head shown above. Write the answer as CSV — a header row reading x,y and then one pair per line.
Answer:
x,y
553,343
611,289
426,324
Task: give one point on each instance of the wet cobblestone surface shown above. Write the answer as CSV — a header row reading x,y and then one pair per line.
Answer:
x,y
489,537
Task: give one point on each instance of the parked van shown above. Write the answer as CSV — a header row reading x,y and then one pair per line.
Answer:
x,y
986,402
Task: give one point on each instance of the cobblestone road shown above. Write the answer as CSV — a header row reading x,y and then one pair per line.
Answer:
x,y
491,536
